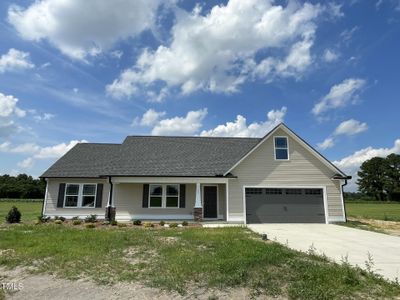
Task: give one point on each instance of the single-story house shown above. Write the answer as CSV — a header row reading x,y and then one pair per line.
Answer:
x,y
275,179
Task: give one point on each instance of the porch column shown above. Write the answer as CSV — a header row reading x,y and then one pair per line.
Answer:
x,y
198,206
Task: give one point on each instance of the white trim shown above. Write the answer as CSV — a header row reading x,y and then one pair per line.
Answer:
x,y
45,197
236,219
324,195
154,217
161,180
70,216
335,219
202,198
80,196
227,201
295,137
287,147
164,196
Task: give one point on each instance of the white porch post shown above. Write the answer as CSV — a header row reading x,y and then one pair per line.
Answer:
x,y
198,203
198,206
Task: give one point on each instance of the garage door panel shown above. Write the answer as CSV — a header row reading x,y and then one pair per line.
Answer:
x,y
289,206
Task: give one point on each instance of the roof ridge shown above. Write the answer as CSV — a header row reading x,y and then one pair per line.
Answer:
x,y
187,136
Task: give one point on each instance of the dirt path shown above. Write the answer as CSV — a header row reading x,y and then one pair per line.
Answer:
x,y
49,287
389,227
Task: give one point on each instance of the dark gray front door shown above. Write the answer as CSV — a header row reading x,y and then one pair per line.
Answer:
x,y
279,205
210,201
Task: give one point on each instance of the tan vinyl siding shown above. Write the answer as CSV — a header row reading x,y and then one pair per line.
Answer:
x,y
51,208
302,169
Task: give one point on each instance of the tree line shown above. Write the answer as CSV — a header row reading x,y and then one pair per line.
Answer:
x,y
380,178
21,186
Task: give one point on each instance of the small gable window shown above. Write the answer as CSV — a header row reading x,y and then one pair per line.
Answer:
x,y
281,148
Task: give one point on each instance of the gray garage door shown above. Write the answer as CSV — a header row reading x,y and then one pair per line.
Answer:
x,y
277,205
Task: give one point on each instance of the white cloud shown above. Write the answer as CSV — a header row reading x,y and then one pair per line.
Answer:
x,y
218,51
351,164
330,55
117,54
43,117
340,95
350,127
26,163
8,111
149,118
327,143
15,60
239,127
347,34
188,125
83,28
56,151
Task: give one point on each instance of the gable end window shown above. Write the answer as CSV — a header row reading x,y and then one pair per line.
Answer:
x,y
164,196
281,146
80,195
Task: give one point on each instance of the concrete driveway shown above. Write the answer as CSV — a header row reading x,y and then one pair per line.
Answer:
x,y
337,242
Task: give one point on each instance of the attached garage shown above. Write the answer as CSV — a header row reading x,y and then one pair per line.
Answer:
x,y
285,205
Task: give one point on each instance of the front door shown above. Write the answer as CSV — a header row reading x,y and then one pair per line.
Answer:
x,y
210,201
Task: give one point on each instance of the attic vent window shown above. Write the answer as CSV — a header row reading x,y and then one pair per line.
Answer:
x,y
281,148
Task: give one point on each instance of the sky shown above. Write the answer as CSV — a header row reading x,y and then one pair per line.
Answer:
x,y
96,71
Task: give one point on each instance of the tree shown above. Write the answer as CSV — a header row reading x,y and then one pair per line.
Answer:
x,y
392,182
372,177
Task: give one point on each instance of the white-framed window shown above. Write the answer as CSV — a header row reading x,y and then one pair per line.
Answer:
x,y
164,195
281,146
80,195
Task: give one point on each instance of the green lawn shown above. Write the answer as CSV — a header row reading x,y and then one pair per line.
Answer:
x,y
176,259
29,209
389,211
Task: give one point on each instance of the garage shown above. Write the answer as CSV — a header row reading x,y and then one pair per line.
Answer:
x,y
285,205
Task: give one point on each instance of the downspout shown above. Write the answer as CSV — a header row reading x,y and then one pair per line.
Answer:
x,y
344,202
45,198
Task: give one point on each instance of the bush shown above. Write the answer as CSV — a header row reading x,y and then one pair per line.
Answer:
x,y
43,219
62,219
14,215
185,223
173,225
137,222
75,218
91,219
114,223
90,225
122,224
58,221
148,224
162,223
77,222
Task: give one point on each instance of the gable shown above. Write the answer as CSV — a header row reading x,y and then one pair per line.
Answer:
x,y
299,150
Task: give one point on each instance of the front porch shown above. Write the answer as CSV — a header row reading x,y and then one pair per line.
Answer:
x,y
193,199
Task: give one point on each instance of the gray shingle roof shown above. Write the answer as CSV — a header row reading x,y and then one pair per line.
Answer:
x,y
153,156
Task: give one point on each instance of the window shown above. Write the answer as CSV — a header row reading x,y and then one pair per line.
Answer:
x,y
313,191
164,196
253,191
273,191
281,148
293,191
80,195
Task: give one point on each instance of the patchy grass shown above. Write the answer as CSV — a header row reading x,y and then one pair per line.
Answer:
x,y
358,224
29,209
177,259
387,211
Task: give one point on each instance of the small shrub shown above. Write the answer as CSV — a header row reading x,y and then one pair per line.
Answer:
x,y
173,225
137,222
162,223
14,215
57,218
91,219
43,219
90,225
148,224
58,222
114,223
122,224
185,223
75,218
76,222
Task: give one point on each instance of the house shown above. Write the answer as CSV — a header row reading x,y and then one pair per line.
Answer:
x,y
275,179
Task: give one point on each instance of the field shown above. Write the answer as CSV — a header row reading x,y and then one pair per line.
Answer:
x,y
387,211
30,209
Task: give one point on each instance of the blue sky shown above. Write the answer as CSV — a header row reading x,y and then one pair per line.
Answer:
x,y
71,72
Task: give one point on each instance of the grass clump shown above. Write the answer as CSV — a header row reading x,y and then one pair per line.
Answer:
x,y
58,222
91,219
137,222
162,223
173,225
76,222
113,223
90,225
122,225
185,223
148,224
